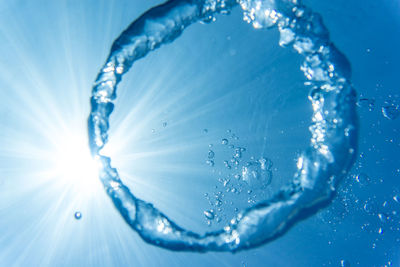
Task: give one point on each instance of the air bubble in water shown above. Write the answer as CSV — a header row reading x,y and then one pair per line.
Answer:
x,y
311,40
224,141
391,111
226,163
226,182
257,173
344,263
211,154
208,19
209,214
78,215
238,153
380,231
370,206
363,179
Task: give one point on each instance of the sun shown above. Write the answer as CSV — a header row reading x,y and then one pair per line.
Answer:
x,y
74,165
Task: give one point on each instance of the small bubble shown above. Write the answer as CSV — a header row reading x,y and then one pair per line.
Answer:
x,y
211,154
224,141
344,263
153,130
299,12
391,111
78,215
380,231
370,206
363,179
164,124
381,217
208,19
238,153
210,162
209,214
205,130
226,163
226,182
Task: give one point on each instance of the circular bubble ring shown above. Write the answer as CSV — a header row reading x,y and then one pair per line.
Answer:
x,y
320,168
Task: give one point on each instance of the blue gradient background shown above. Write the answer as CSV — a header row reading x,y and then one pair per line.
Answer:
x,y
225,75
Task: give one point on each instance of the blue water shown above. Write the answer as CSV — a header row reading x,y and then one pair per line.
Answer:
x,y
223,80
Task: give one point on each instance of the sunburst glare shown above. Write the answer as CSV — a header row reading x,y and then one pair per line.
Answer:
x,y
73,163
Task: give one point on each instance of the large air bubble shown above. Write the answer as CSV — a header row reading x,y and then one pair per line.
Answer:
x,y
320,168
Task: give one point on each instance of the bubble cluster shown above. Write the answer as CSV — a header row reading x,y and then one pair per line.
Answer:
x,y
235,174
377,216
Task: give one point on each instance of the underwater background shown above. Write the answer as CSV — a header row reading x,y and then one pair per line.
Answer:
x,y
181,115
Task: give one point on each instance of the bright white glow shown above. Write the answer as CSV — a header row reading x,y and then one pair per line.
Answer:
x,y
74,164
